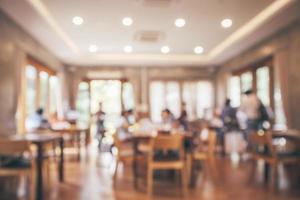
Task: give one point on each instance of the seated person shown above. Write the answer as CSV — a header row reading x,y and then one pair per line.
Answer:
x,y
167,120
145,125
37,121
177,128
124,124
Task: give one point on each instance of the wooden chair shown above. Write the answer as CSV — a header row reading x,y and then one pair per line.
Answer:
x,y
124,155
262,148
203,151
165,143
16,148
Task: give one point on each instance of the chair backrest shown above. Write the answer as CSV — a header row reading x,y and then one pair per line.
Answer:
x,y
168,142
165,143
262,140
212,142
208,146
117,141
10,147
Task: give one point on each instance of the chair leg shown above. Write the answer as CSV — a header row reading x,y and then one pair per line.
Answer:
x,y
274,178
32,185
184,181
212,166
252,171
193,174
116,173
189,166
149,181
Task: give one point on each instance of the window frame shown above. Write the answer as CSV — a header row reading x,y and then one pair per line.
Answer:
x,y
22,109
252,68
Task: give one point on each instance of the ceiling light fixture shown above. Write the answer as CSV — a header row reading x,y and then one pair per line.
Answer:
x,y
198,50
93,48
127,21
77,20
180,22
165,49
128,49
226,23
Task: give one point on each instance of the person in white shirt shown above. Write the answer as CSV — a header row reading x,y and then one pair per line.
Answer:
x,y
251,108
37,121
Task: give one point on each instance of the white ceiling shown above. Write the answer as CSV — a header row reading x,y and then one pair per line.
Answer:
x,y
50,22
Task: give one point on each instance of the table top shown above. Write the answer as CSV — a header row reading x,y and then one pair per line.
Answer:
x,y
34,137
71,129
292,134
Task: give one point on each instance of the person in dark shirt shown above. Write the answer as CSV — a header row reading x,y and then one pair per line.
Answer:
x,y
228,117
100,117
183,118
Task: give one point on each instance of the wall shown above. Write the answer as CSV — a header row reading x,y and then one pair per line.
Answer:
x,y
284,46
15,45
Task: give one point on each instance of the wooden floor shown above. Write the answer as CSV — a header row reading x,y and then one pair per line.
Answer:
x,y
91,179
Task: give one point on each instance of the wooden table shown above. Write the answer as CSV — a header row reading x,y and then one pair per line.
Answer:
x,y
75,131
40,140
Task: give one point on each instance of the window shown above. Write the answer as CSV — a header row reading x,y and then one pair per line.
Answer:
x,y
108,92
172,97
31,77
128,96
53,94
197,95
246,81
263,85
43,101
190,99
204,99
157,100
280,121
234,91
164,95
83,101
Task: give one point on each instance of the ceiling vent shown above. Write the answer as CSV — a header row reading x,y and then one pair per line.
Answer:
x,y
159,3
149,36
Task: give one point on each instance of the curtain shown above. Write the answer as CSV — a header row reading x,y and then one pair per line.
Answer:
x,y
281,63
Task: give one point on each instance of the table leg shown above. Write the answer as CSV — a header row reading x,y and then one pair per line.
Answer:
x,y
78,145
135,164
266,171
61,162
39,175
87,137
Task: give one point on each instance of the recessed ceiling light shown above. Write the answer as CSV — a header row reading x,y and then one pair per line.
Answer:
x,y
128,49
77,20
226,23
165,49
93,48
127,21
198,50
180,22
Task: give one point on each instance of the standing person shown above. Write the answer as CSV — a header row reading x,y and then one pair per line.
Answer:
x,y
183,118
100,118
229,118
255,111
